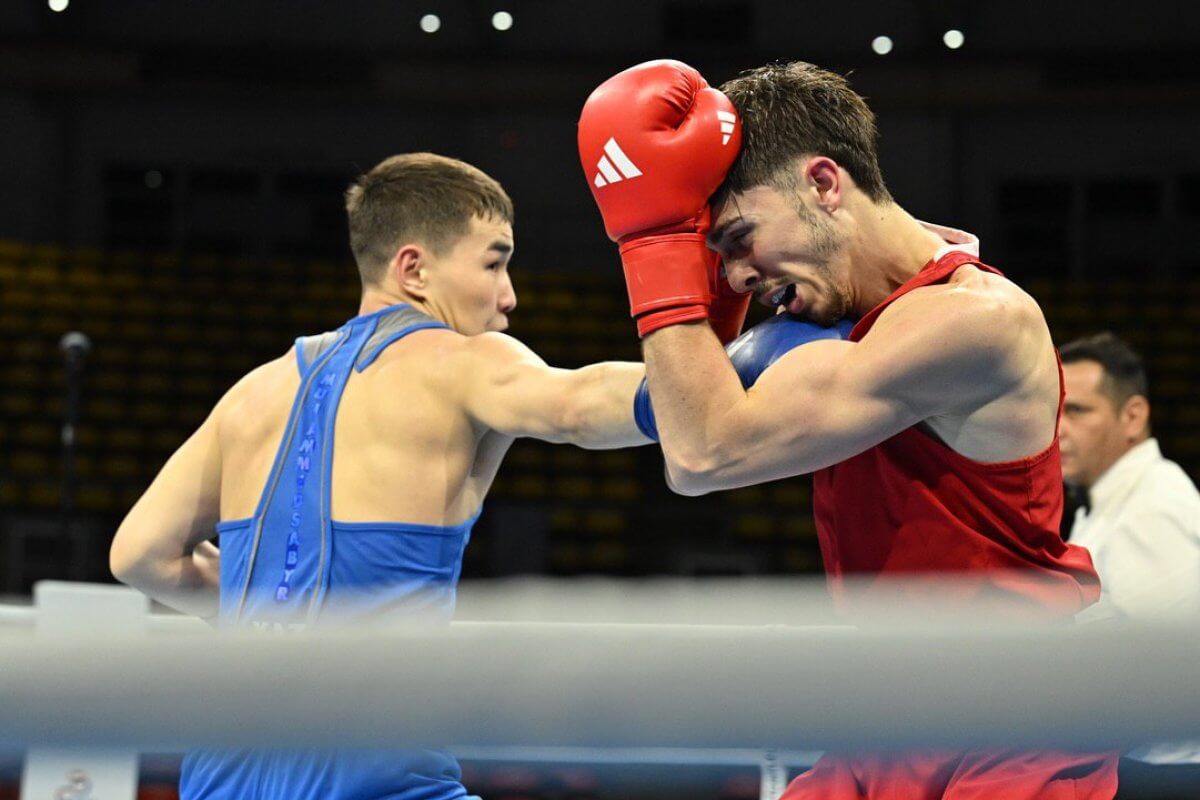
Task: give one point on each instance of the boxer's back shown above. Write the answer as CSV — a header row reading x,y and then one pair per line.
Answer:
x,y
404,448
344,467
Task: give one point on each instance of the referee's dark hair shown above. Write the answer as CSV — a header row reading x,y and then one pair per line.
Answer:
x,y
1124,372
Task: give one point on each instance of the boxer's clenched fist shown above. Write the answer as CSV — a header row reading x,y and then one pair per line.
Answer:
x,y
751,354
655,142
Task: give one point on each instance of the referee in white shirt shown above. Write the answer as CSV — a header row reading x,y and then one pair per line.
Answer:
x,y
1142,521
1143,524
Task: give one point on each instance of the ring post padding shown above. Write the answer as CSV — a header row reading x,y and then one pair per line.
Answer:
x,y
773,778
65,611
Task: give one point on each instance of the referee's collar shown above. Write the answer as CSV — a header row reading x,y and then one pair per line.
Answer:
x,y
1125,469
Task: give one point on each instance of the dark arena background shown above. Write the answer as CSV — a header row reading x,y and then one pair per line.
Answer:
x,y
173,173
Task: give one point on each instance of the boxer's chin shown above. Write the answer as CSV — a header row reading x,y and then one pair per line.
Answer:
x,y
824,317
827,310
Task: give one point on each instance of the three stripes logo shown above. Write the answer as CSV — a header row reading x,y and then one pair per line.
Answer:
x,y
728,121
614,165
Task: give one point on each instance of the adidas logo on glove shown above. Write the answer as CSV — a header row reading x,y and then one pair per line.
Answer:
x,y
728,122
617,169
614,166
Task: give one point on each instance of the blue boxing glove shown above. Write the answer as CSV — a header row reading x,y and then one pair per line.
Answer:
x,y
751,354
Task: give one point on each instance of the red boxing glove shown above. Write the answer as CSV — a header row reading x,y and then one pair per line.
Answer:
x,y
655,142
727,312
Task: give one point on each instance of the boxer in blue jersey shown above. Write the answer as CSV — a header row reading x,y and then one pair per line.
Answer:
x,y
343,478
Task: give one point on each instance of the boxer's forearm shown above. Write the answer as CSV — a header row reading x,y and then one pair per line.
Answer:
x,y
693,386
599,407
189,583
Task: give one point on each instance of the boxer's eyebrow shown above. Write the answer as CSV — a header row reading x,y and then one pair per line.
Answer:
x,y
719,233
501,247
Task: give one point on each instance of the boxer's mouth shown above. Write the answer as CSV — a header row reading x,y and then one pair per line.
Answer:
x,y
793,301
782,296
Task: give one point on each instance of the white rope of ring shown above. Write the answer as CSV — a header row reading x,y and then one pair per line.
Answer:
x,y
610,685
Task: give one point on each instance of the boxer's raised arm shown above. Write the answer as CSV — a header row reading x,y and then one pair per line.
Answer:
x,y
510,389
830,400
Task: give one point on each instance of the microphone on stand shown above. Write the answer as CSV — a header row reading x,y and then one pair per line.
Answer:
x,y
75,347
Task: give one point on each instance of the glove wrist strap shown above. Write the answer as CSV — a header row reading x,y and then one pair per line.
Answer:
x,y
667,277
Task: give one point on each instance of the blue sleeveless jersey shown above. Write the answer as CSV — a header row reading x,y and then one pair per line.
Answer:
x,y
291,566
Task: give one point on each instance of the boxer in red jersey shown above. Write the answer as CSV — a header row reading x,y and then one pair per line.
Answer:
x,y
933,431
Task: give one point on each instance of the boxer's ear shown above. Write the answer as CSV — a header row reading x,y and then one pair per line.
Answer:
x,y
407,270
824,175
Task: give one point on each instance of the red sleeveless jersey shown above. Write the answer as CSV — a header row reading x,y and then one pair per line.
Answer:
x,y
910,504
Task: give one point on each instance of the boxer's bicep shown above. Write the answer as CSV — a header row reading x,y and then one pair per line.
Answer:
x,y
815,406
511,390
948,352
828,401
514,392
939,354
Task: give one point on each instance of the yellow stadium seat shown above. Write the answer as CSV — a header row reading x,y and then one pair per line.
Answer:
x,y
41,275
39,434
564,519
620,489
46,252
747,496
791,492
105,408
569,458
137,332
532,487
520,457
573,488
25,377
566,556
607,555
13,251
21,298
120,467
127,496
754,526
43,494
798,526
10,494
615,460
96,497
165,262
606,522
32,463
150,412
798,560
17,404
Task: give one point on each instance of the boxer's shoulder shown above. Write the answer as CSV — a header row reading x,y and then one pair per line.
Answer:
x,y
261,394
264,380
446,351
496,348
978,332
452,365
427,346
973,304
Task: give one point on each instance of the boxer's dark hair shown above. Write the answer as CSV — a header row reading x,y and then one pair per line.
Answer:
x,y
796,109
417,197
1124,372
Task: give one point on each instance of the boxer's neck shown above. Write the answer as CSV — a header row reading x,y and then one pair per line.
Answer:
x,y
375,298
889,248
